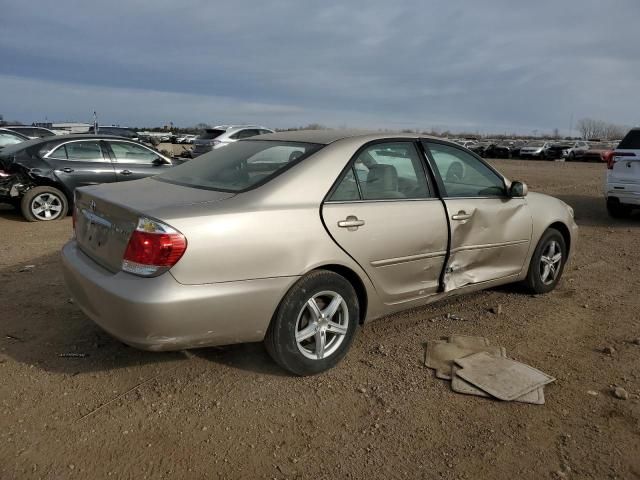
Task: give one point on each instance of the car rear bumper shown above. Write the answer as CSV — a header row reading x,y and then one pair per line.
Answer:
x,y
161,314
627,192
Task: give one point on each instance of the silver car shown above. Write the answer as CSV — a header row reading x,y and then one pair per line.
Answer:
x,y
223,135
297,238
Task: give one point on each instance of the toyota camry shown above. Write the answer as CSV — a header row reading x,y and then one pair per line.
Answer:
x,y
298,238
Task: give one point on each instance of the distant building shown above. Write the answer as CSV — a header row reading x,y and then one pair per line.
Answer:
x,y
67,126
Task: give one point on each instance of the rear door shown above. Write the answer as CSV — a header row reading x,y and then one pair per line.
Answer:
x,y
133,161
490,232
81,162
384,214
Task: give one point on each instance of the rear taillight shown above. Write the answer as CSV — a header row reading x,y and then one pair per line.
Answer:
x,y
153,248
613,157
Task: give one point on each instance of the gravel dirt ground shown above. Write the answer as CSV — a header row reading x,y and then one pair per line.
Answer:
x,y
230,412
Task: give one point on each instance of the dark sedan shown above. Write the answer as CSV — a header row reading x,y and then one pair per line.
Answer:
x,y
39,176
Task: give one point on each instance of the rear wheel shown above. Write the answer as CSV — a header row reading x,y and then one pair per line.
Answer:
x,y
547,262
44,204
617,209
314,325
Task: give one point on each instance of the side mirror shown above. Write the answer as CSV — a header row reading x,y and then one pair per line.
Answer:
x,y
518,189
159,161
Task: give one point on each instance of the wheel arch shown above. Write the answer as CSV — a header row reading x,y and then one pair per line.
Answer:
x,y
356,282
47,182
564,231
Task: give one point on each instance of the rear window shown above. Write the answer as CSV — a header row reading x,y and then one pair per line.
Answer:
x,y
631,141
239,166
211,133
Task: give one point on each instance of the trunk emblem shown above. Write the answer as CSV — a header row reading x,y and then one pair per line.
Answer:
x,y
92,205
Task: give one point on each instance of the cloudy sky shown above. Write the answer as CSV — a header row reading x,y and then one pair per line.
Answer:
x,y
494,65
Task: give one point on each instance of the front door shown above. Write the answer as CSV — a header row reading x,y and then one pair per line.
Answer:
x,y
133,161
384,214
490,232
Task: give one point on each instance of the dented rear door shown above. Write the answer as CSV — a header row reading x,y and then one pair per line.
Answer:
x,y
490,232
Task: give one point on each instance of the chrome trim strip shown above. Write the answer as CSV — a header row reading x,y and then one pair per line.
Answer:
x,y
410,258
489,245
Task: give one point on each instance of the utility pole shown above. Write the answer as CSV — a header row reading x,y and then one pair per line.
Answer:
x,y
571,125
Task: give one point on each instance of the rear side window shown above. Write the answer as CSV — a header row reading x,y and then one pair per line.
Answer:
x,y
79,151
239,166
211,133
246,133
631,141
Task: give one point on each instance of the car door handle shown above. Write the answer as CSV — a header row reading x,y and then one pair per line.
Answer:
x,y
125,172
351,222
461,215
67,170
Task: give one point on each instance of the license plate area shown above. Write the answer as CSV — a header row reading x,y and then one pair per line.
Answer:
x,y
96,231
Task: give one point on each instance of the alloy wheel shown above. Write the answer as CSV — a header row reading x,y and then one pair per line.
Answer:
x,y
550,262
46,206
322,325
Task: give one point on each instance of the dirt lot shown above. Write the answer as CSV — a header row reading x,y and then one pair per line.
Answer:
x,y
230,413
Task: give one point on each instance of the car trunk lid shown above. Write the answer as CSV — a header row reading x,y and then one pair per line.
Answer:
x,y
106,215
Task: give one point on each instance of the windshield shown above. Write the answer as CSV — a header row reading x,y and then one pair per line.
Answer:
x,y
239,166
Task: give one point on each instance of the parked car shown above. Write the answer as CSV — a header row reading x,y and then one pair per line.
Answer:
x,y
296,238
39,176
31,132
496,150
622,179
223,135
554,151
596,152
536,150
576,151
9,137
125,132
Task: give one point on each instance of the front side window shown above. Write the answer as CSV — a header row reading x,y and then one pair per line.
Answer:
x,y
79,151
463,175
384,171
239,166
126,152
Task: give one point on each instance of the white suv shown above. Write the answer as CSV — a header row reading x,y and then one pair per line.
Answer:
x,y
622,182
224,134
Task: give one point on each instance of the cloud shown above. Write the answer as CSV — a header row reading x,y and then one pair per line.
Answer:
x,y
494,65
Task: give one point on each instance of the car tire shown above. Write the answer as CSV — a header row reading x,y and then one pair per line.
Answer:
x,y
546,267
617,209
297,331
44,204
571,157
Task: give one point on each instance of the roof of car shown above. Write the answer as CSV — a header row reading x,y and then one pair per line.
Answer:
x,y
61,139
325,137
